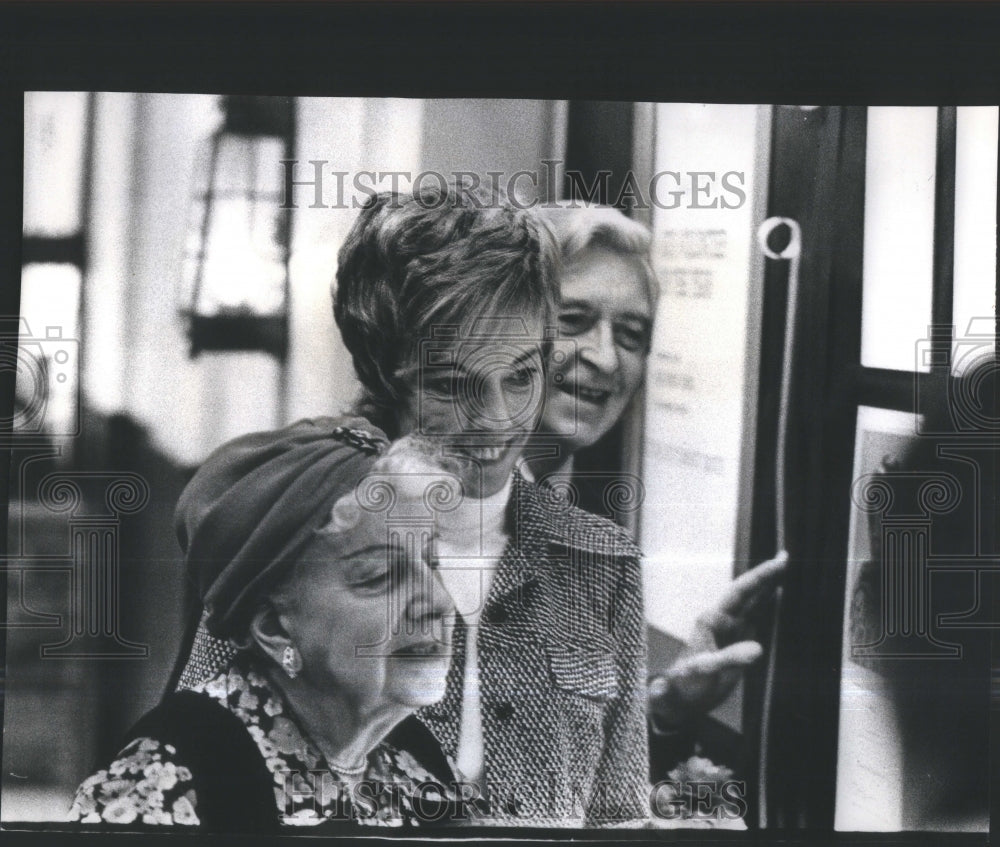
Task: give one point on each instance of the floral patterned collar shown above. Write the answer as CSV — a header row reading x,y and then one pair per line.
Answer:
x,y
306,789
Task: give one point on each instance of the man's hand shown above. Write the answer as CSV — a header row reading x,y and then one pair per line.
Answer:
x,y
711,664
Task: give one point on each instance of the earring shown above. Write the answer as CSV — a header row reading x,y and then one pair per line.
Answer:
x,y
291,662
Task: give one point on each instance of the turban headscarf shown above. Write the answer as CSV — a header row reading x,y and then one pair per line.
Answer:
x,y
256,502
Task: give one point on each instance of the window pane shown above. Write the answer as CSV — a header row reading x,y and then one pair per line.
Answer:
x,y
695,429
899,235
54,133
975,234
48,362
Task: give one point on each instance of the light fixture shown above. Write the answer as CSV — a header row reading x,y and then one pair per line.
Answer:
x,y
235,284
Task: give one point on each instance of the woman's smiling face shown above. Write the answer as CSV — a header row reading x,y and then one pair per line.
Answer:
x,y
479,395
606,310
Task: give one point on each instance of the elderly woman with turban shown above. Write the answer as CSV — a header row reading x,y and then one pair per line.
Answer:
x,y
341,631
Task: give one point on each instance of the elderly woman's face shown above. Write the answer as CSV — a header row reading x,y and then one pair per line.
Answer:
x,y
371,620
606,311
481,390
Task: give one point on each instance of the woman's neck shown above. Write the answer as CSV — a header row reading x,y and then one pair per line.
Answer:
x,y
470,541
543,466
343,735
472,519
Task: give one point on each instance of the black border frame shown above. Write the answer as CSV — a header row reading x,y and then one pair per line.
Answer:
x,y
826,53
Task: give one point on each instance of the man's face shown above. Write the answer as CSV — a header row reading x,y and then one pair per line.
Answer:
x,y
479,388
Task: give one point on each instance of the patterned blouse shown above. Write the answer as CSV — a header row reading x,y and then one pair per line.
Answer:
x,y
148,784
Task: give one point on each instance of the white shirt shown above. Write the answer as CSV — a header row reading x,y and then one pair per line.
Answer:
x,y
470,542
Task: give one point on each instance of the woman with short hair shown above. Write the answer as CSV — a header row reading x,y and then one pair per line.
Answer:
x,y
607,301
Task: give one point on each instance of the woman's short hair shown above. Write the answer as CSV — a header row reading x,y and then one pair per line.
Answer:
x,y
438,257
578,227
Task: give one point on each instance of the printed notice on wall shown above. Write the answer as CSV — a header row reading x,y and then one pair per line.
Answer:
x,y
703,227
870,766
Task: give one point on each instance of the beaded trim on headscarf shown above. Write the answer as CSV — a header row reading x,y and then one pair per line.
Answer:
x,y
209,655
360,439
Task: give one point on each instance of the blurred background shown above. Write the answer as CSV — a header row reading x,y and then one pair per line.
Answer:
x,y
178,253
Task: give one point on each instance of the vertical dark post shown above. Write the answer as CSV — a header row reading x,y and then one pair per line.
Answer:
x,y
944,241
817,178
11,174
598,151
599,162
